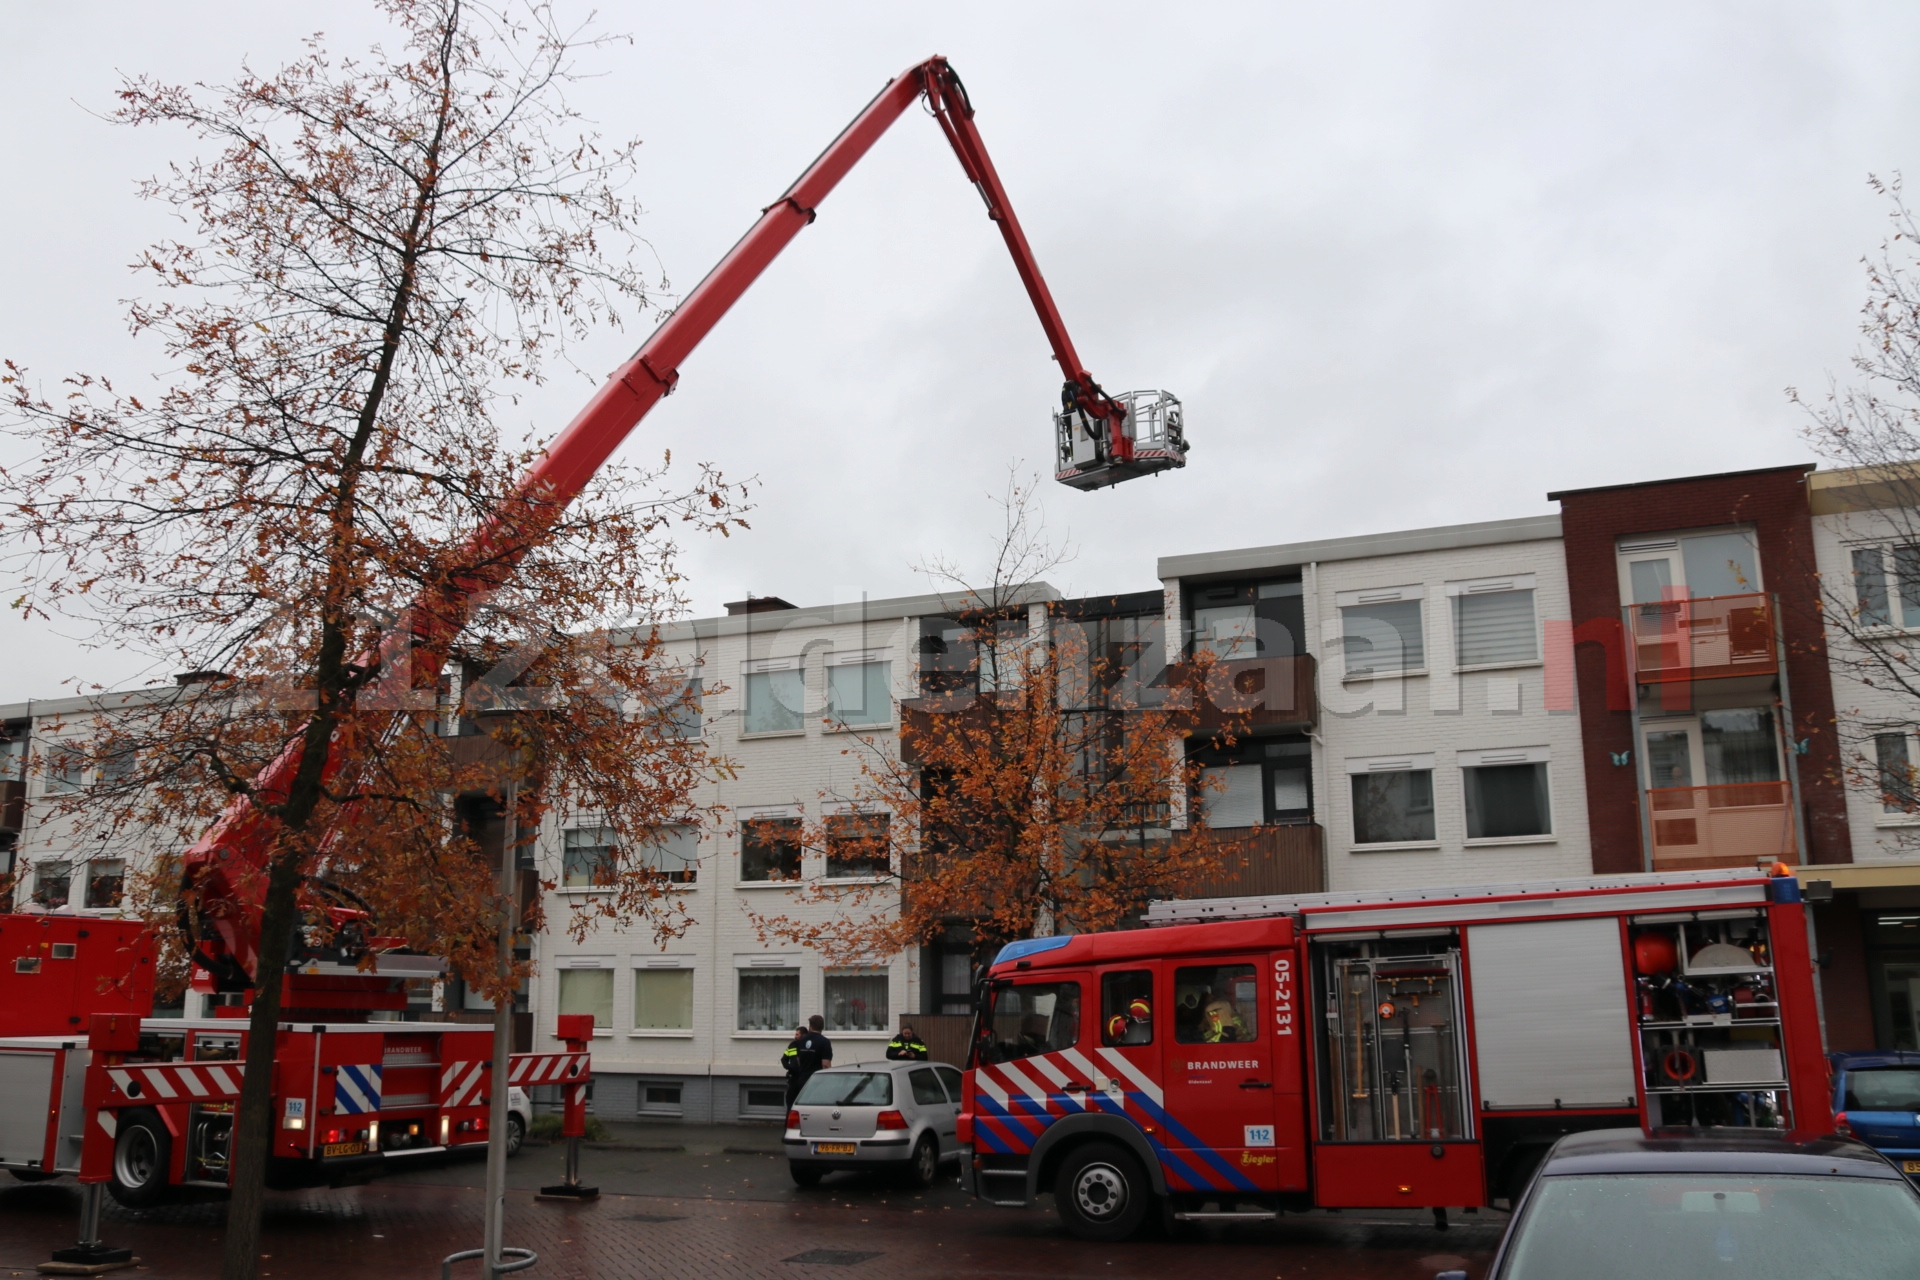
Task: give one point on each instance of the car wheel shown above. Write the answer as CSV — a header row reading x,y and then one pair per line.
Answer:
x,y
805,1175
142,1154
924,1166
1102,1193
516,1133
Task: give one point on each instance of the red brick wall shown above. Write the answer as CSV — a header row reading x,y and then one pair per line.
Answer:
x,y
1774,502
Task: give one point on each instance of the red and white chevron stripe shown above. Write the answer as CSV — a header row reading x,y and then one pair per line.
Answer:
x,y
460,1083
174,1082
549,1068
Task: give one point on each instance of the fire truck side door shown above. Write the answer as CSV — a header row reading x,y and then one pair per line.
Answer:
x,y
1219,1078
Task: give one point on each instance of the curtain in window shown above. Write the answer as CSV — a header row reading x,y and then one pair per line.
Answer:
x,y
862,693
1230,796
770,1001
856,999
1739,746
1394,806
1383,637
663,999
1896,772
588,991
1495,627
674,852
1507,800
770,849
774,701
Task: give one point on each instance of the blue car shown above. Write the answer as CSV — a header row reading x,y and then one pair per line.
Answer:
x,y
1876,1098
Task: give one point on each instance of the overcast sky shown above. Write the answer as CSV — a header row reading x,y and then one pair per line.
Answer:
x,y
1406,265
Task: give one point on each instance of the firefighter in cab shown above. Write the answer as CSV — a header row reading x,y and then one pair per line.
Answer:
x,y
1222,1024
906,1047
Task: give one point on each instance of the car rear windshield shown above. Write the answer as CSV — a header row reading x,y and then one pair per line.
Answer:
x,y
848,1089
1883,1089
1686,1226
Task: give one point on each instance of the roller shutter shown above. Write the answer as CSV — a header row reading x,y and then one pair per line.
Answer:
x,y
1550,1019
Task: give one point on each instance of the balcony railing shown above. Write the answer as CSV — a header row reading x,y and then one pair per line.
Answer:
x,y
1267,860
1704,639
1249,693
1732,825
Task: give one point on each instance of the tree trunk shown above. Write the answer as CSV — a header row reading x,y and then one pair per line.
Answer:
x,y
254,1126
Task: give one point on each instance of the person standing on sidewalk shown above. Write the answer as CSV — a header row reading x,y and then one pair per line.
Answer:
x,y
790,1063
907,1047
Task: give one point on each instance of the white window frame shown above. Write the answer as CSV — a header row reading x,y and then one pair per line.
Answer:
x,y
766,962
766,666
1882,818
566,963
1488,756
1412,762
654,963
1492,586
1345,600
861,658
1890,584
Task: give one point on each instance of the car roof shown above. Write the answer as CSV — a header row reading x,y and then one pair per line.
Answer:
x,y
1599,1151
881,1065
1881,1058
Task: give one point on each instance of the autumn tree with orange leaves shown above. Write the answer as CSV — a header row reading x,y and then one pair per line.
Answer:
x,y
1043,791
376,253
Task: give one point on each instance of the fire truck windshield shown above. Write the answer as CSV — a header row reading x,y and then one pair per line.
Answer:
x,y
1028,1018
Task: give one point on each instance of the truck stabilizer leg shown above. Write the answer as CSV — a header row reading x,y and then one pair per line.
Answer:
x,y
90,1257
573,1127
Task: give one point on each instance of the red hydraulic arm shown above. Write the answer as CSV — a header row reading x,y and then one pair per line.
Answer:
x,y
225,871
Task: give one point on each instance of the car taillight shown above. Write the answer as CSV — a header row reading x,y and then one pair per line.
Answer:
x,y
890,1120
1840,1125
793,1119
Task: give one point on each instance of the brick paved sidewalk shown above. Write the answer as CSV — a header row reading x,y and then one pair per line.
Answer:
x,y
397,1230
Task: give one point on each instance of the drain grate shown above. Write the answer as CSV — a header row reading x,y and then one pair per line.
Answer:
x,y
830,1257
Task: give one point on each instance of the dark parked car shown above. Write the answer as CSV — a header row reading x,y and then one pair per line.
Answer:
x,y
1876,1097
1752,1204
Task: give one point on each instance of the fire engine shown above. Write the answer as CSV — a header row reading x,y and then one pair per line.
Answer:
x,y
1247,1056
102,1089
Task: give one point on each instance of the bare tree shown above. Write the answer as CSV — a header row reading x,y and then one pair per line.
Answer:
x,y
376,251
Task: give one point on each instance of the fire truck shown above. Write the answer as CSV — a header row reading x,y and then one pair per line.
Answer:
x,y
1247,1056
90,1083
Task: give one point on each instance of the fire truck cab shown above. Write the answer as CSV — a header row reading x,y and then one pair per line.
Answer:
x,y
1412,1049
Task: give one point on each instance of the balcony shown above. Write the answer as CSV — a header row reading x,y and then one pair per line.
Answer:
x,y
13,805
1706,639
1270,860
1732,825
1249,693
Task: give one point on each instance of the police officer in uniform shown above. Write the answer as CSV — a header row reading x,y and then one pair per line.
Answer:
x,y
790,1063
906,1047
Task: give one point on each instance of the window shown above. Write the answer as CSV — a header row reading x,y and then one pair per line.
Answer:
x,y
956,982
106,877
51,883
1381,631
856,845
763,1101
1669,759
1896,772
1230,795
1505,799
951,1078
1392,801
588,991
770,1000
663,1000
673,853
775,699
1029,1019
117,766
1739,746
1215,1004
1256,782
848,1089
660,1099
1493,622
1881,598
684,718
769,849
856,999
66,770
588,858
926,1088
1233,621
861,693
1126,1007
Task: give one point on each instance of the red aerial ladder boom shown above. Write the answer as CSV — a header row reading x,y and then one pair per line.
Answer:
x,y
1102,440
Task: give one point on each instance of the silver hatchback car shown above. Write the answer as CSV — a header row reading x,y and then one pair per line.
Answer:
x,y
875,1115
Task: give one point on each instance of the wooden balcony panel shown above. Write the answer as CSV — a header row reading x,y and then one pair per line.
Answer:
x,y
1740,825
1705,639
1249,693
1270,860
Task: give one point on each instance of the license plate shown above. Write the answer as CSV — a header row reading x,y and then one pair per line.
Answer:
x,y
835,1148
343,1149
1910,1166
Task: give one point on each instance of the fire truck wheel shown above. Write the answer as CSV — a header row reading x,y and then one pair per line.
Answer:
x,y
516,1134
1102,1193
142,1154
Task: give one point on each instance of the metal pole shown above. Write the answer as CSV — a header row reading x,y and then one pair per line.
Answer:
x,y
502,1050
